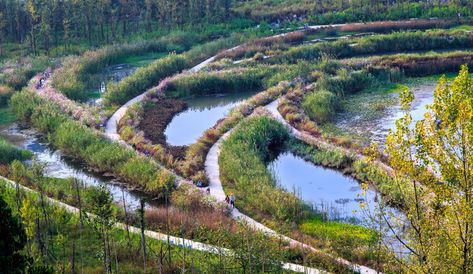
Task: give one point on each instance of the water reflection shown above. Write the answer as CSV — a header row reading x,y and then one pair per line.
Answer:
x,y
60,166
203,112
375,114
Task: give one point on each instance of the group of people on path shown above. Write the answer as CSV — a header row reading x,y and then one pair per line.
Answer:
x,y
44,76
229,200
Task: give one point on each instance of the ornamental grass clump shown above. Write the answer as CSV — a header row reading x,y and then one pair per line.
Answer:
x,y
321,105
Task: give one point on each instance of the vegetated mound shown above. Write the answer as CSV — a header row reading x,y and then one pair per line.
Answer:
x,y
158,113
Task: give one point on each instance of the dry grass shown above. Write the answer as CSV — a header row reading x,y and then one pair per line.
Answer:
x,y
261,45
386,26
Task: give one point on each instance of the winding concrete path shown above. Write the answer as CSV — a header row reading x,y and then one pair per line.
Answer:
x,y
111,127
177,241
111,130
212,171
307,138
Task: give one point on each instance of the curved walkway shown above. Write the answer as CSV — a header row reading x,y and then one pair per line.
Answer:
x,y
111,129
212,171
307,138
181,242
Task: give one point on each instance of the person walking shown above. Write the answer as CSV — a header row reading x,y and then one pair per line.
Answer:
x,y
232,200
227,199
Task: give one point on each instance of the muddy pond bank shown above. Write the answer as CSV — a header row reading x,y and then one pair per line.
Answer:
x,y
184,124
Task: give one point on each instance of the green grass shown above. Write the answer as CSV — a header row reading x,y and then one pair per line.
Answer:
x,y
463,27
335,230
9,153
408,82
142,59
6,116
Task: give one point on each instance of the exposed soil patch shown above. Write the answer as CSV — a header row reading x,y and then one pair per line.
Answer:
x,y
159,112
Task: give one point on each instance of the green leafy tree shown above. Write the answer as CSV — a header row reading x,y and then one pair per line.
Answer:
x,y
433,166
12,242
101,202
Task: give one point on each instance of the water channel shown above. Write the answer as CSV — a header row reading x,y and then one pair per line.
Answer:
x,y
58,165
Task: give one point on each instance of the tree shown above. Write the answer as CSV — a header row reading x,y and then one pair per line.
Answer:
x,y
101,202
253,251
12,242
33,8
433,167
3,25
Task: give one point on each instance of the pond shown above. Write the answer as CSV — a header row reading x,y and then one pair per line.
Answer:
x,y
331,193
60,166
372,115
203,112
115,73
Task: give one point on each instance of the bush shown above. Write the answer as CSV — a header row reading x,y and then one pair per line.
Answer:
x,y
5,94
321,105
9,153
24,104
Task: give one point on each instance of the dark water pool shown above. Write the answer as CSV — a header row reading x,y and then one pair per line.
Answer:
x,y
203,112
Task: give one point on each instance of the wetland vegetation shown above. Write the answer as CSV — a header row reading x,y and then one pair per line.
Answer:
x,y
235,136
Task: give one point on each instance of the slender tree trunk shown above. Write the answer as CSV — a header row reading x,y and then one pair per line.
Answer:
x,y
79,205
143,240
126,221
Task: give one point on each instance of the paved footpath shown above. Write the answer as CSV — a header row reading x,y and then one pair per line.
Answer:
x,y
111,126
212,171
181,242
212,167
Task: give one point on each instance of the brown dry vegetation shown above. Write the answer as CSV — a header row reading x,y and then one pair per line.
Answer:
x,y
388,26
416,66
159,113
263,44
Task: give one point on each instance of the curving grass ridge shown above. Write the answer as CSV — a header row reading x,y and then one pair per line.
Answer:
x,y
90,146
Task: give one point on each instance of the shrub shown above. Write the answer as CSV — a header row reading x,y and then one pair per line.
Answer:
x,y
5,94
9,153
321,105
24,104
